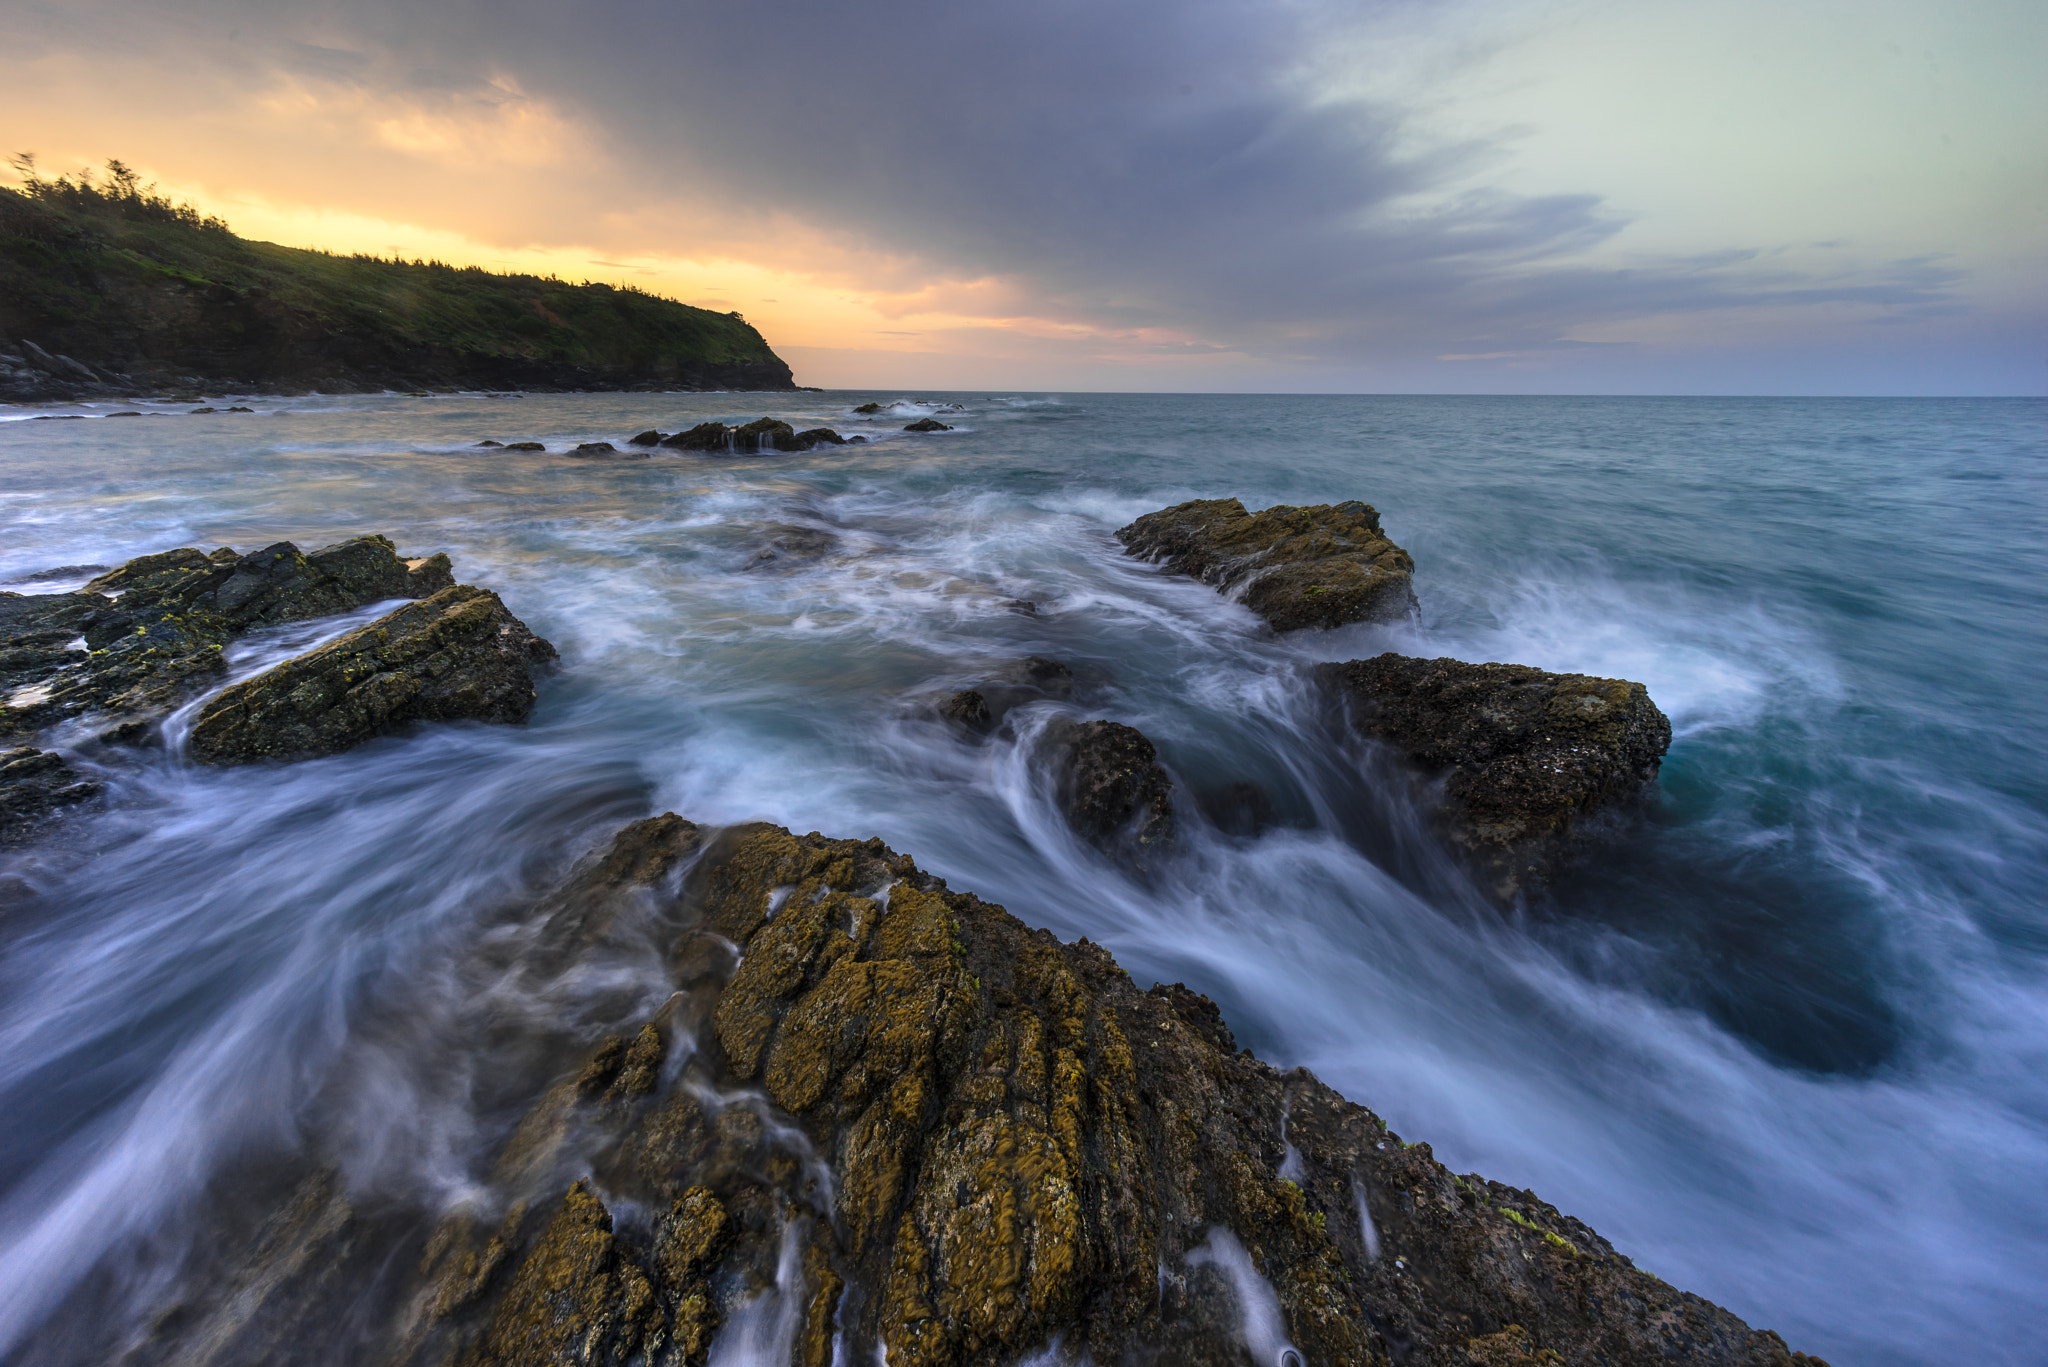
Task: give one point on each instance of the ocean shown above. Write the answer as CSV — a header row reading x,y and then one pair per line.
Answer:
x,y
1784,1041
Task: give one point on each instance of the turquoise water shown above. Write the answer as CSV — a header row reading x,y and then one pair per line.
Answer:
x,y
1783,1043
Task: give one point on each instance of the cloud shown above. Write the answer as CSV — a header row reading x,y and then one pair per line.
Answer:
x,y
1178,176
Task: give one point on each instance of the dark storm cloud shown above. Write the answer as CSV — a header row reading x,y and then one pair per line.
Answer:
x,y
1127,163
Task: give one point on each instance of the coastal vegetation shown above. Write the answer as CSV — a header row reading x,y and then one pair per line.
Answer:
x,y
139,292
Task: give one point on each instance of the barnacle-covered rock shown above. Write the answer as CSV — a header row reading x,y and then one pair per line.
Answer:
x,y
1110,785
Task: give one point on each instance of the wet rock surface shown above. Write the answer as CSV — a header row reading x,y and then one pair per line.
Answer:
x,y
458,655
762,434
882,1116
786,545
1320,566
1527,758
1112,789
63,655
927,425
35,784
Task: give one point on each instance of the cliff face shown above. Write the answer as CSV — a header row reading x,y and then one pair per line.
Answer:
x,y
881,1120
140,305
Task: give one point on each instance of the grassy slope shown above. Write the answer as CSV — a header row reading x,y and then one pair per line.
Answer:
x,y
153,297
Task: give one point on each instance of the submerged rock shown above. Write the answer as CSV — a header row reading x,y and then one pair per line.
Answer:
x,y
1110,785
34,785
789,543
1242,808
927,425
1321,566
979,710
525,446
883,1120
459,655
869,407
968,712
1526,756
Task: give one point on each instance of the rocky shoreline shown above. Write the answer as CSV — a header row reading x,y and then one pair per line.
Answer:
x,y
883,1115
880,1119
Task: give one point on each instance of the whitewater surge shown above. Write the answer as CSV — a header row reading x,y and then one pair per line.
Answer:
x,y
1783,1044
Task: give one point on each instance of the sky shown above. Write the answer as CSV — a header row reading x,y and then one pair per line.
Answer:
x,y
1485,196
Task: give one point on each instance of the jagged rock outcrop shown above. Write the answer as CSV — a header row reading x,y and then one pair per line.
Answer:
x,y
1321,566
1110,785
459,655
881,1116
1526,757
175,611
33,785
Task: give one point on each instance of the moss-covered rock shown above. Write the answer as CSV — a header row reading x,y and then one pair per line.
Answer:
x,y
135,655
459,655
1321,566
933,1131
1526,756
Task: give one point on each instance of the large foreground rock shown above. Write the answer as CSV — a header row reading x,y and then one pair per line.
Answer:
x,y
885,1121
136,654
1321,566
459,655
1526,756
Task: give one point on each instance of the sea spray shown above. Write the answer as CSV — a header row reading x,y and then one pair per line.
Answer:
x,y
1260,1324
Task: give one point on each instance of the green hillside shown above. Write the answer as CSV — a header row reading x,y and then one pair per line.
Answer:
x,y
122,280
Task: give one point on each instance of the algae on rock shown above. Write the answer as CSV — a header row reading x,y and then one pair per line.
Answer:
x,y
175,612
1527,756
911,1125
455,656
1321,566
